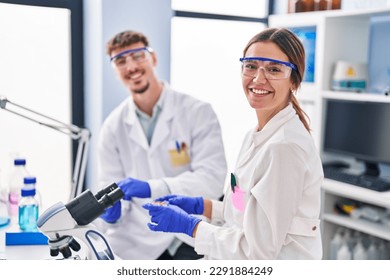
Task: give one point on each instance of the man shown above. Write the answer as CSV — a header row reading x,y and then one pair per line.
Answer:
x,y
156,142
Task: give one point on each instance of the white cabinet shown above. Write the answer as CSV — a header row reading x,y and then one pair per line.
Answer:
x,y
332,192
340,35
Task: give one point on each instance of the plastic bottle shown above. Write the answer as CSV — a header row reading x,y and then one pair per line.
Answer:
x,y
323,5
4,215
28,206
335,244
387,250
382,250
348,237
15,185
372,251
304,6
356,236
344,253
359,252
336,4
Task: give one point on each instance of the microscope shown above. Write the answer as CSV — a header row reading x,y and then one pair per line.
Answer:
x,y
64,224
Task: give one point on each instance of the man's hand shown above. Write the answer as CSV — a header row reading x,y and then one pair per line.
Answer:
x,y
112,214
134,188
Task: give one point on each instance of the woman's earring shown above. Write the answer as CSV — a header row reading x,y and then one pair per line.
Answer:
x,y
293,91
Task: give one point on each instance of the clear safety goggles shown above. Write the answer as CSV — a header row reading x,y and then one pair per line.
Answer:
x,y
273,69
138,55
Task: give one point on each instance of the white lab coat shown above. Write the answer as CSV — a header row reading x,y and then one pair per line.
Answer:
x,y
280,173
125,152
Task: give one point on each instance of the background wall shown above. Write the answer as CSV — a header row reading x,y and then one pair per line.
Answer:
x,y
103,91
209,69
35,73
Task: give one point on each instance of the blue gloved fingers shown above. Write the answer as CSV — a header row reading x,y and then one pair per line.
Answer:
x,y
192,205
166,198
158,217
152,207
152,227
124,185
134,188
154,219
170,218
112,214
199,206
155,212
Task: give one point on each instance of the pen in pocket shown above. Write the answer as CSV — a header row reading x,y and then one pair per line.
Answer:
x,y
233,182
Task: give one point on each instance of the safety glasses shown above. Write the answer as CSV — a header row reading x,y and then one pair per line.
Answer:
x,y
273,69
138,56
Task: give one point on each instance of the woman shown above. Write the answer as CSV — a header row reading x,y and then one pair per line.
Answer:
x,y
271,209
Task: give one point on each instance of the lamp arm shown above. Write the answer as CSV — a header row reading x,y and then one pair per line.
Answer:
x,y
82,135
80,163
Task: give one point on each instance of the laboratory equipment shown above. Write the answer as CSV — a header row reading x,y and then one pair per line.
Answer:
x,y
361,130
4,211
349,76
82,135
374,183
28,206
66,225
16,181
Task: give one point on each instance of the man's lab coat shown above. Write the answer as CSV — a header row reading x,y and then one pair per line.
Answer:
x,y
198,168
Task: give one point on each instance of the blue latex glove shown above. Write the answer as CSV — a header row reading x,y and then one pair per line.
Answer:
x,y
170,218
134,188
112,214
192,205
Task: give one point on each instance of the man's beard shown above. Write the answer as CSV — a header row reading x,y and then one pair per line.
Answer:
x,y
142,90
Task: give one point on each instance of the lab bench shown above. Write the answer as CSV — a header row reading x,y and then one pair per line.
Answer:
x,y
21,252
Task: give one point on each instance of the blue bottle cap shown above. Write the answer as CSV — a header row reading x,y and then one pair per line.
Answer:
x,y
30,180
31,192
20,161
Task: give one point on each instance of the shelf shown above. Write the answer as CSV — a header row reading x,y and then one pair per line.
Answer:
x,y
313,16
381,199
372,97
378,230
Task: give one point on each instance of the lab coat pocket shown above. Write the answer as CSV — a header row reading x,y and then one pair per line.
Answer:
x,y
179,156
304,227
238,199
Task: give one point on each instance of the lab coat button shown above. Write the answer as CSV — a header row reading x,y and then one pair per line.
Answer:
x,y
314,228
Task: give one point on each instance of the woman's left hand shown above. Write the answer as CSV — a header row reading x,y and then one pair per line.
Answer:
x,y
170,218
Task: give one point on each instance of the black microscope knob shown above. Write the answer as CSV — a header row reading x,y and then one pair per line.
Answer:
x,y
74,245
54,252
66,252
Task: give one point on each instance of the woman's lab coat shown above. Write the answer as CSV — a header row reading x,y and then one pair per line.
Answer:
x,y
274,211
198,170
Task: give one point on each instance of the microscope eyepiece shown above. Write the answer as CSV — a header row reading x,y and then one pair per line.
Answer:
x,y
87,207
111,198
106,190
